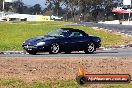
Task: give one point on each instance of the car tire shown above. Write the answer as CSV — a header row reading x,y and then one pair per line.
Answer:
x,y
32,52
90,48
81,80
54,49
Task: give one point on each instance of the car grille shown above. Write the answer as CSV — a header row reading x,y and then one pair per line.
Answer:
x,y
29,46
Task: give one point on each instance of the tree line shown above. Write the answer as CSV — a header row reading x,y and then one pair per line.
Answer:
x,y
85,10
20,7
69,9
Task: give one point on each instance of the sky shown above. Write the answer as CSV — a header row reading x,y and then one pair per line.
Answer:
x,y
33,2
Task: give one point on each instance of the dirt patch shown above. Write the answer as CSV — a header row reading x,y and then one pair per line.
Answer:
x,y
50,69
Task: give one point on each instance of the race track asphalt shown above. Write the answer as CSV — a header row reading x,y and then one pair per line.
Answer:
x,y
119,52
126,29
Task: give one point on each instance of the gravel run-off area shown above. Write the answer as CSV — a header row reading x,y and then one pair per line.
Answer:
x,y
50,69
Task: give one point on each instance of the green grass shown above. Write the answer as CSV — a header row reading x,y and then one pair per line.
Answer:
x,y
12,83
12,35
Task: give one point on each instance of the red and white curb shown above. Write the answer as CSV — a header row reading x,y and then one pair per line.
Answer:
x,y
13,52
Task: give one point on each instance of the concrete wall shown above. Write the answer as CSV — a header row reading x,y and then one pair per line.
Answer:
x,y
28,17
117,22
38,18
43,18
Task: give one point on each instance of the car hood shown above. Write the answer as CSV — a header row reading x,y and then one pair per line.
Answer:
x,y
95,38
38,39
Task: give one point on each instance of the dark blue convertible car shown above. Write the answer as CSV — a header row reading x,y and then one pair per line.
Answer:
x,y
63,40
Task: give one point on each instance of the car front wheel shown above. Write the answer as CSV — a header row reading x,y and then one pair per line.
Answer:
x,y
90,48
54,49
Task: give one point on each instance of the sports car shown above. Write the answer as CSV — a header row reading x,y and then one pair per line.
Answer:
x,y
62,40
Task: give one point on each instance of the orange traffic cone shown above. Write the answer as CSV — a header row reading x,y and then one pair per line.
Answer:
x,y
81,71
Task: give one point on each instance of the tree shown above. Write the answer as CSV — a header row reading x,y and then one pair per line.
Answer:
x,y
37,9
1,5
18,6
82,7
12,6
55,5
71,5
92,6
108,9
31,10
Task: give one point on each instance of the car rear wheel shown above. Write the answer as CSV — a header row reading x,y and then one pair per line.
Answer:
x,y
90,48
32,52
54,49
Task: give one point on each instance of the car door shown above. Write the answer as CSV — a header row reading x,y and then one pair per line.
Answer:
x,y
77,41
65,41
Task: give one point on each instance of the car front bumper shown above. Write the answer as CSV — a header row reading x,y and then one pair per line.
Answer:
x,y
44,48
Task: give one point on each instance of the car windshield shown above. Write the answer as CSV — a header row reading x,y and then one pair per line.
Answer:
x,y
59,33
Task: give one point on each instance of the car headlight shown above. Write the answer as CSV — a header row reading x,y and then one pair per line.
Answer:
x,y
99,40
40,43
